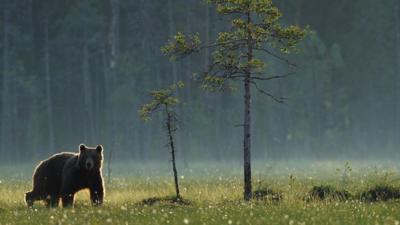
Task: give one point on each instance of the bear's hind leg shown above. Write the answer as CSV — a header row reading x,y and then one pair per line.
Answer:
x,y
67,200
55,201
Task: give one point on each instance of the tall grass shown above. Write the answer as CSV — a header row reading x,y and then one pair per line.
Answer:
x,y
215,193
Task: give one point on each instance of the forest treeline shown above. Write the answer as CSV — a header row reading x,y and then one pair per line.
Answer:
x,y
77,71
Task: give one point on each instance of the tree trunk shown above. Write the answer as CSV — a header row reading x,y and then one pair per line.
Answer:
x,y
207,37
16,138
107,116
112,66
50,125
397,88
215,107
105,72
219,111
87,95
103,131
5,106
114,35
171,33
316,109
171,143
33,104
299,6
247,139
172,30
186,92
247,119
89,111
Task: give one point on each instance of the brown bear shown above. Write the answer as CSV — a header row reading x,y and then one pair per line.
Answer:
x,y
64,174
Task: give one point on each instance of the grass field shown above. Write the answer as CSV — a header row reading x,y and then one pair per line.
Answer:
x,y
215,194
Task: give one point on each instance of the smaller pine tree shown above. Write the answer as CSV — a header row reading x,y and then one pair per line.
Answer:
x,y
165,100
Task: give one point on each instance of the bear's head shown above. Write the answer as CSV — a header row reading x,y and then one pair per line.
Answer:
x,y
90,158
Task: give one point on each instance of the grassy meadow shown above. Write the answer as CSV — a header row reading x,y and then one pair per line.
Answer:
x,y
214,194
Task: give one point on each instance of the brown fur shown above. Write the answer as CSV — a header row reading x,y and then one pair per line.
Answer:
x,y
64,174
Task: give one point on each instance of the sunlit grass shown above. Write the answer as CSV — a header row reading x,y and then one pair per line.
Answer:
x,y
215,194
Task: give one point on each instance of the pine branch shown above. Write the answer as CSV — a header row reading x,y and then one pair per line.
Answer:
x,y
275,56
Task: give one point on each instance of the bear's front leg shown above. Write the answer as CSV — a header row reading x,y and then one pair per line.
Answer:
x,y
97,197
68,190
52,201
97,190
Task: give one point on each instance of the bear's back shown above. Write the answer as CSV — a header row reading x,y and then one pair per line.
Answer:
x,y
57,161
48,175
52,167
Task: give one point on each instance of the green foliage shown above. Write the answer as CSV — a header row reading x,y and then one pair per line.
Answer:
x,y
255,26
182,45
163,97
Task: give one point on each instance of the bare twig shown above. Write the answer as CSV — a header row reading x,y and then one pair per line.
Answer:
x,y
273,77
273,97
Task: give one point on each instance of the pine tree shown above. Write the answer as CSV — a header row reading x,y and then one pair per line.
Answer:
x,y
236,56
165,100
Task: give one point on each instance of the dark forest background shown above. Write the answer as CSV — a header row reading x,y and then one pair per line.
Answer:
x,y
77,71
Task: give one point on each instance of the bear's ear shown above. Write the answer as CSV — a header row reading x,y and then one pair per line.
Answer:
x,y
82,147
99,148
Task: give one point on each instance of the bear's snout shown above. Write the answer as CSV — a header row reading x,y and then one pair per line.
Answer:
x,y
89,164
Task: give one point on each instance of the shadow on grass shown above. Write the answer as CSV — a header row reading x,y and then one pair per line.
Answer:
x,y
380,193
324,192
168,200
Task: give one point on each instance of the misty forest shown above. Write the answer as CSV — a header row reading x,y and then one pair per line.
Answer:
x,y
200,112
